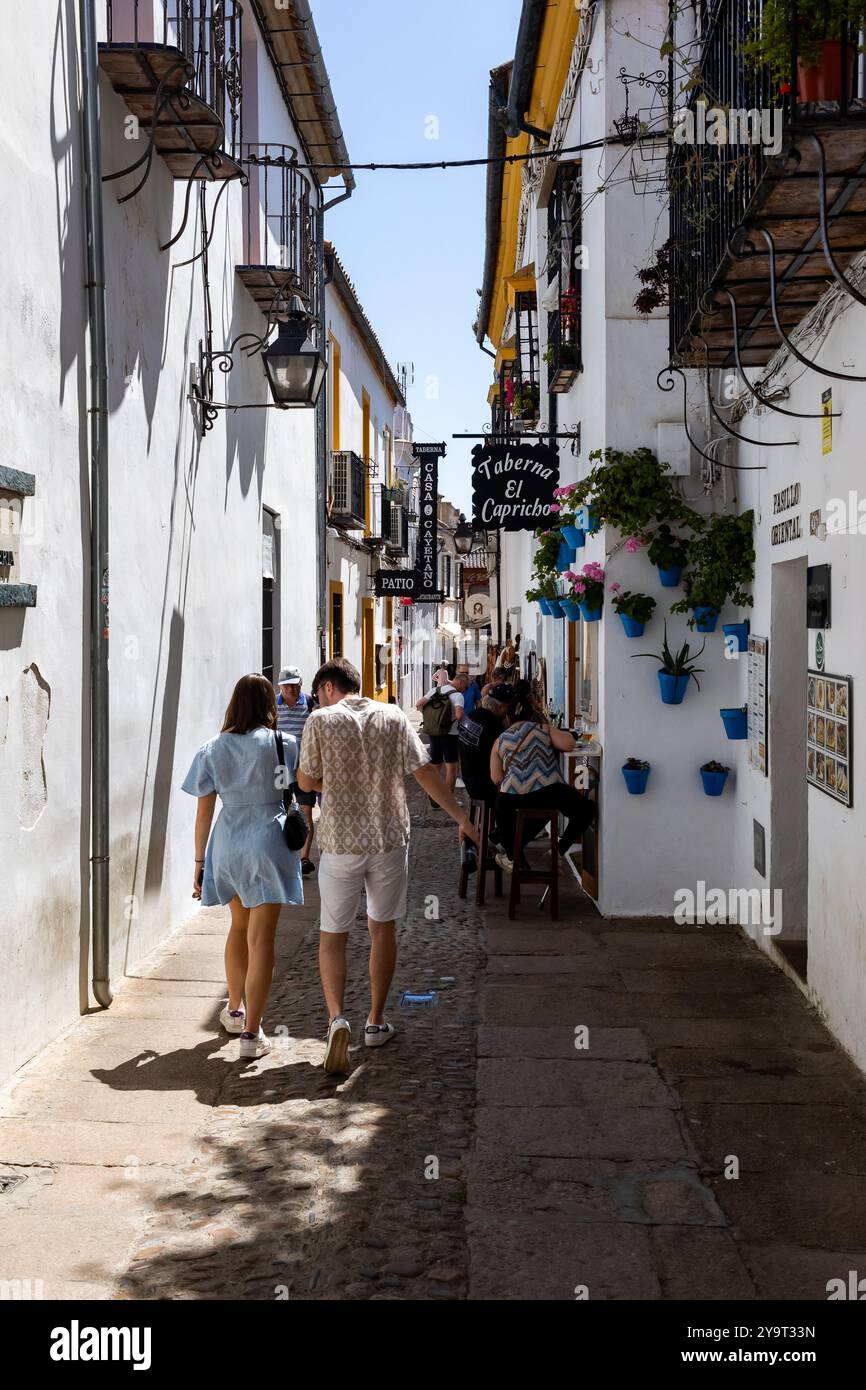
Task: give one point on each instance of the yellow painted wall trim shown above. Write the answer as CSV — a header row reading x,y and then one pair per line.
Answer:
x,y
336,359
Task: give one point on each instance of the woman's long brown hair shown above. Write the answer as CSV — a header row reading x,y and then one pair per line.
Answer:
x,y
253,706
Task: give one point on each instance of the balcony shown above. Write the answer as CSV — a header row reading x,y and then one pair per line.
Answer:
x,y
756,238
282,231
563,346
348,490
177,65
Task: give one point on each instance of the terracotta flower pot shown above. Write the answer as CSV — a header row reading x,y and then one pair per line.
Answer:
x,y
823,82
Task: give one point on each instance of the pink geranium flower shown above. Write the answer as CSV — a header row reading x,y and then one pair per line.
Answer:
x,y
632,544
554,507
614,587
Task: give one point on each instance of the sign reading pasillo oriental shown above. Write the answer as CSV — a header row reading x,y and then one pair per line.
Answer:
x,y
513,485
428,518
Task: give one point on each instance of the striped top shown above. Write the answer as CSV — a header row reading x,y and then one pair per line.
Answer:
x,y
292,718
529,759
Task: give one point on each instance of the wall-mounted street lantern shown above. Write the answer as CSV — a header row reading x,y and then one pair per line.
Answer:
x,y
463,536
293,364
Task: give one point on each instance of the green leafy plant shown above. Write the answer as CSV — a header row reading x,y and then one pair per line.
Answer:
x,y
640,607
547,554
769,45
631,490
666,550
681,663
713,766
526,398
635,765
545,588
659,281
722,561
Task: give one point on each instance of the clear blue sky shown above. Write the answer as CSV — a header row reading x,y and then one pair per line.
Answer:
x,y
413,242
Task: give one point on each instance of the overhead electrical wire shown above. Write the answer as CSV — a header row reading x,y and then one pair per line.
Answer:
x,y
464,163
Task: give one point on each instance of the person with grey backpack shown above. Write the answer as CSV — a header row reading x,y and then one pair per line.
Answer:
x,y
441,711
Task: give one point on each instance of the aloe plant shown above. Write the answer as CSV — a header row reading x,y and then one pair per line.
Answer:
x,y
679,664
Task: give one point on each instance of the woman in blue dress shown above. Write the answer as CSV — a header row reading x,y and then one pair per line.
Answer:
x,y
247,864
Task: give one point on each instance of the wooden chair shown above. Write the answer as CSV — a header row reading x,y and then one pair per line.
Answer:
x,y
549,877
481,815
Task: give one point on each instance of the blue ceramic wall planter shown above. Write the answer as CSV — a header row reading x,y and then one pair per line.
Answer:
x,y
556,609
705,618
571,608
714,782
736,636
631,626
673,688
670,578
736,722
565,558
636,779
544,605
589,615
575,536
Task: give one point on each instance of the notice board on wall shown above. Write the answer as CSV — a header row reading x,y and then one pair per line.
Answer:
x,y
756,704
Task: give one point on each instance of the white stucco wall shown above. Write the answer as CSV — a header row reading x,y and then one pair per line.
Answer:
x,y
185,530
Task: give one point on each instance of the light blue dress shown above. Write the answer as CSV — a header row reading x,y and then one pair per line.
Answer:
x,y
246,855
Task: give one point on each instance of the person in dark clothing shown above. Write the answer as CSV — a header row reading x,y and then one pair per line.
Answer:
x,y
477,733
524,765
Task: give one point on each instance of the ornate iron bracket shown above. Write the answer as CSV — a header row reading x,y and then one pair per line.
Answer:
x,y
709,303
774,306
167,91
744,438
627,125
841,279
206,247
732,467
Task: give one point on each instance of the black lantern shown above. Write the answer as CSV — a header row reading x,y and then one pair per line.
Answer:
x,y
463,536
293,365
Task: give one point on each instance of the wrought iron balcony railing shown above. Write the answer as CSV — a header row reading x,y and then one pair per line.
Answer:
x,y
283,248
761,221
177,63
347,489
563,345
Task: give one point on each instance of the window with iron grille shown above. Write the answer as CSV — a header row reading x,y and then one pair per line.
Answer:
x,y
564,275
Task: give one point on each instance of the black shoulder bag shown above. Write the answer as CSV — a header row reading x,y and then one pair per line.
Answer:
x,y
295,829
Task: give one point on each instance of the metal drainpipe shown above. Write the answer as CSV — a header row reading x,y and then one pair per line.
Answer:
x,y
95,284
326,269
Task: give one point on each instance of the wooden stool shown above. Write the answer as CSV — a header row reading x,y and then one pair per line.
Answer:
x,y
549,877
481,814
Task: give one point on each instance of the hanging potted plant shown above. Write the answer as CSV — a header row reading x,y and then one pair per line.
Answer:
x,y
669,554
635,610
820,25
676,670
722,560
633,491
587,590
526,399
736,636
736,722
565,557
636,774
714,776
543,593
566,511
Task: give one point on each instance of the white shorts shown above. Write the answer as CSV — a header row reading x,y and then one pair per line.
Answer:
x,y
342,878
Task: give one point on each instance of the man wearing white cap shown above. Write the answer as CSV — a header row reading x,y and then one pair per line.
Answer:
x,y
293,710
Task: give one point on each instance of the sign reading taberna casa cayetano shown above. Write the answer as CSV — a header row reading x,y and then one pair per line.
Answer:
x,y
428,455
513,485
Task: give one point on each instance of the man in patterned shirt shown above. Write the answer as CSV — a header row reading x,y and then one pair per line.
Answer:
x,y
358,753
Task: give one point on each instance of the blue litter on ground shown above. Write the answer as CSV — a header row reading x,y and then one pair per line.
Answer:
x,y
419,999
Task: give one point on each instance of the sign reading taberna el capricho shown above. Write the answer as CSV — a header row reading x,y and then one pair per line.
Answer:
x,y
513,485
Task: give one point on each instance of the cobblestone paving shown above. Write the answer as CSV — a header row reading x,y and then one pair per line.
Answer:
x,y
308,1186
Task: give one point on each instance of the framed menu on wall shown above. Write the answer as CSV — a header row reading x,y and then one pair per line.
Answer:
x,y
757,703
828,735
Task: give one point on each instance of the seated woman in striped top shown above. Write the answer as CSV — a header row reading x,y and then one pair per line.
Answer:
x,y
524,765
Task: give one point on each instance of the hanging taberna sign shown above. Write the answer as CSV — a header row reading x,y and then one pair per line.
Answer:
x,y
427,565
512,485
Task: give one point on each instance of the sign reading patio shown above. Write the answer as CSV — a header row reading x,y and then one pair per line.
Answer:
x,y
402,583
513,485
428,520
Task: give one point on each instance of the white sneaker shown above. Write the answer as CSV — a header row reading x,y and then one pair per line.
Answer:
x,y
250,1048
337,1047
377,1034
232,1020
504,862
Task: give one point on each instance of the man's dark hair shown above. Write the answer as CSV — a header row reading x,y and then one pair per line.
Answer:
x,y
340,673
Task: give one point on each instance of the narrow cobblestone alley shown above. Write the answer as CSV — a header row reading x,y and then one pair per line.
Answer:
x,y
486,1154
